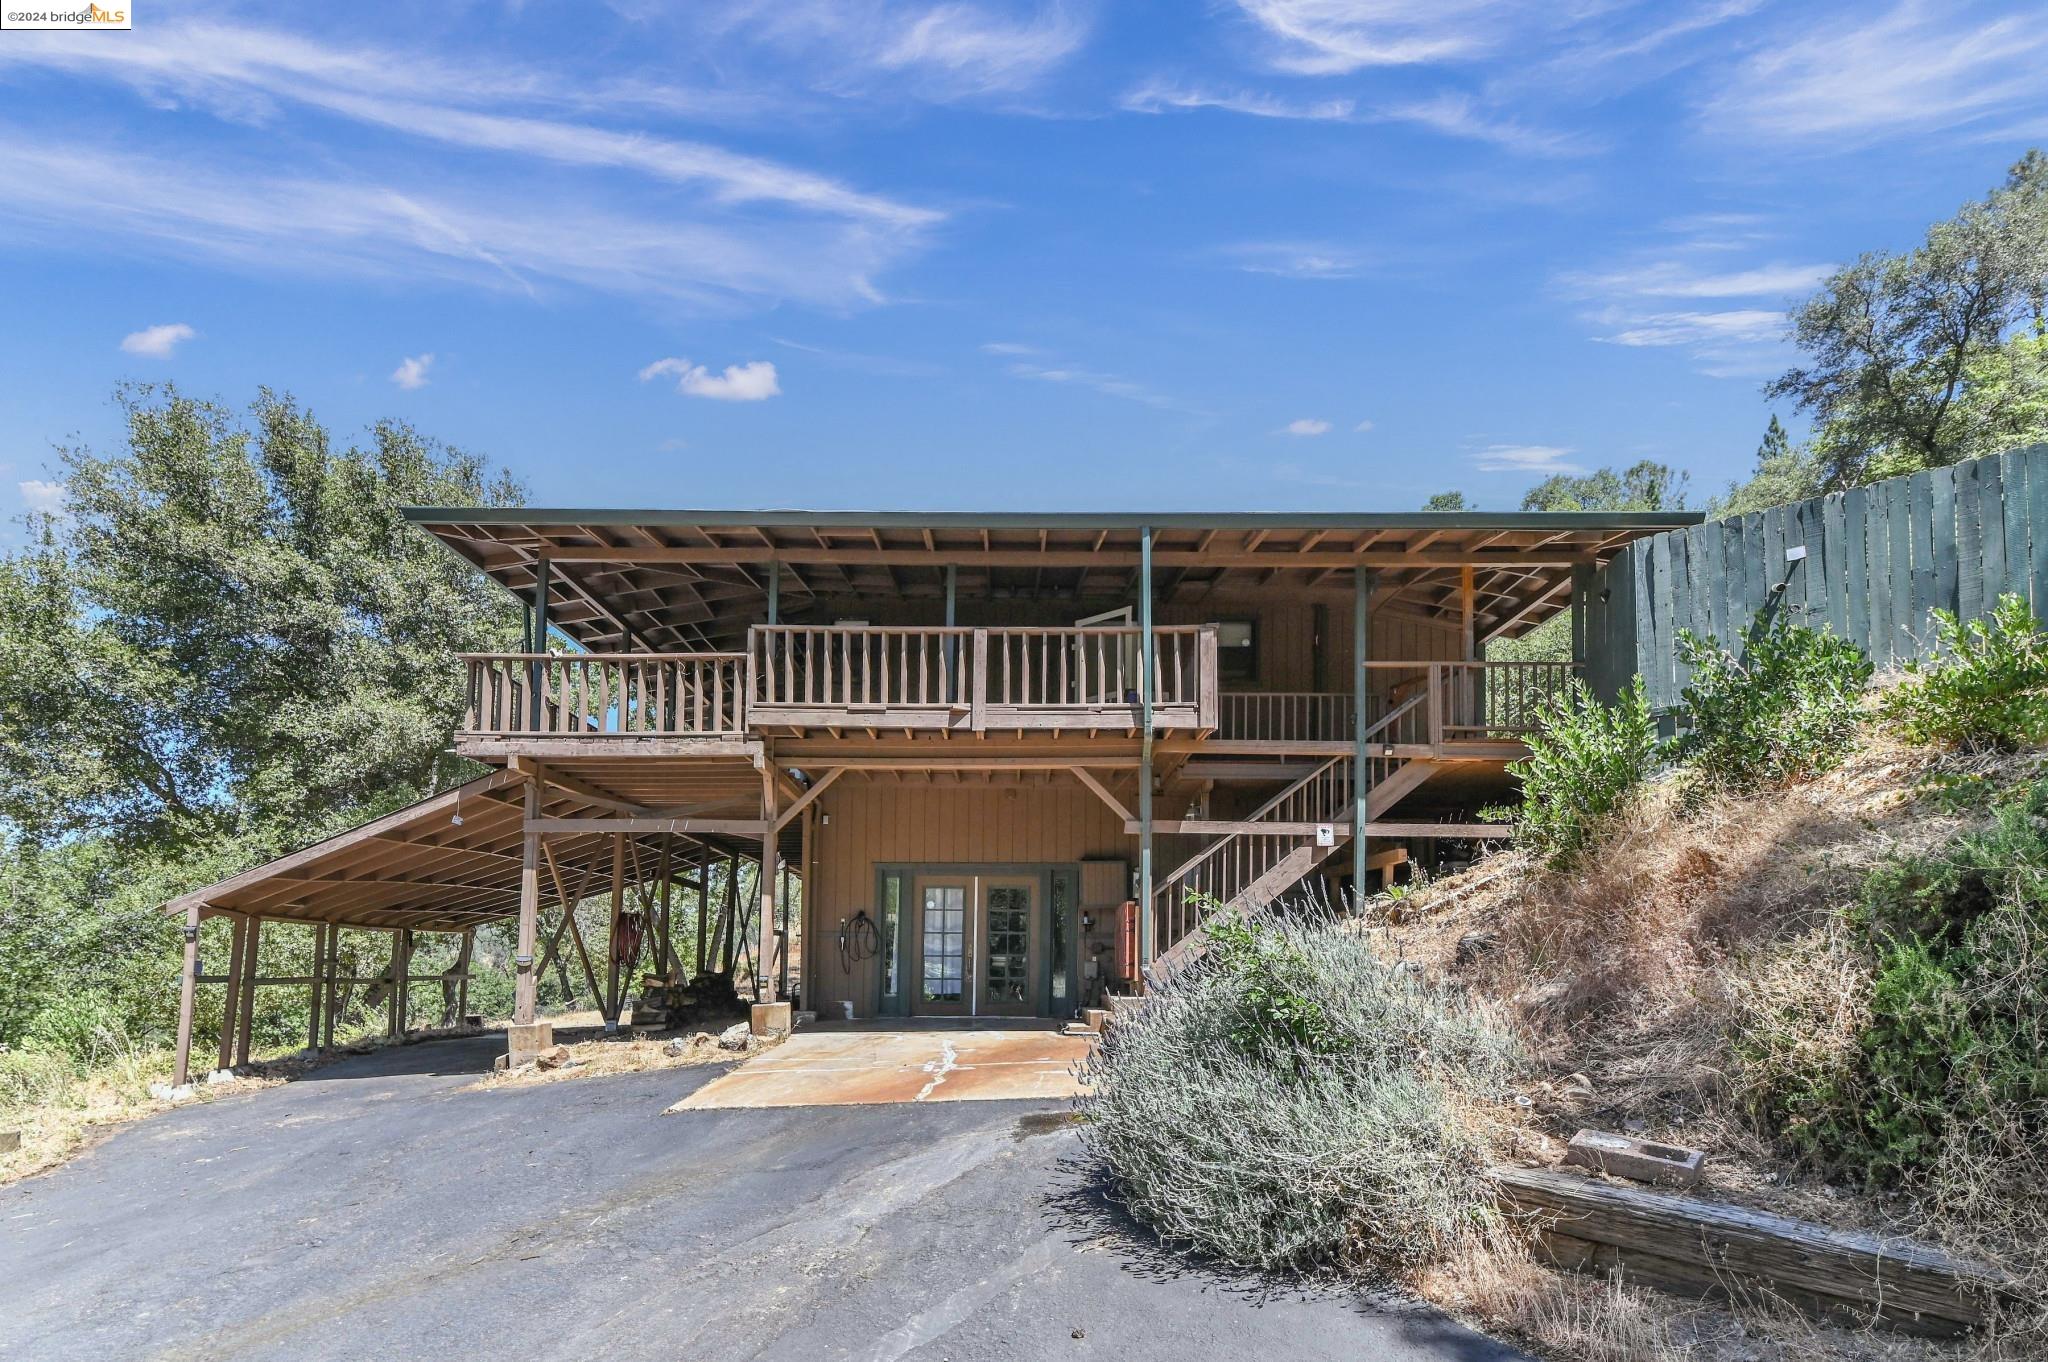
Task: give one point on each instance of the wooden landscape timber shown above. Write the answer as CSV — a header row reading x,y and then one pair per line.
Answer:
x,y
1701,1247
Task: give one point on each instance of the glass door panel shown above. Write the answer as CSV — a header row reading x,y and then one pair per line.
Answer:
x,y
942,918
1007,983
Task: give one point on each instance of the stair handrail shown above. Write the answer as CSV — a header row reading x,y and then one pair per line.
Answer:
x,y
1254,816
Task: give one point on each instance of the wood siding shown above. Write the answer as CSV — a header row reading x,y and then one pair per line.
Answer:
x,y
882,820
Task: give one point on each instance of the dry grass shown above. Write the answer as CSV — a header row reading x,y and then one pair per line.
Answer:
x,y
1630,980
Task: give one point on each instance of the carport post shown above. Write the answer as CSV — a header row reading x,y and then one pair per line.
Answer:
x,y
771,802
250,960
391,998
315,990
526,985
230,1009
698,965
188,988
462,980
333,985
611,990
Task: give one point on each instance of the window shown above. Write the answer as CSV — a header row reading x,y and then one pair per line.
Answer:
x,y
1237,650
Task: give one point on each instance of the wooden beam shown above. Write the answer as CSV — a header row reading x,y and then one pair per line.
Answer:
x,y
1060,558
717,827
803,801
1102,792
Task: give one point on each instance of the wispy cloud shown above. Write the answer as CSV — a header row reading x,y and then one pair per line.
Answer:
x,y
728,227
1526,459
1163,96
1697,328
157,342
754,381
1040,366
1306,425
411,373
1299,259
1680,279
969,49
42,496
1914,68
1334,37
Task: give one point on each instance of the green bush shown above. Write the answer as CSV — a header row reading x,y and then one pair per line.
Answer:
x,y
1949,1063
1987,689
1293,1099
1583,764
1784,712
32,1078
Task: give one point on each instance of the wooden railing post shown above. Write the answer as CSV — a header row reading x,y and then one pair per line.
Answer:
x,y
977,704
1207,706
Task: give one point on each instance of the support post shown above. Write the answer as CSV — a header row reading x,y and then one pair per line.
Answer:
x,y
701,964
614,962
188,991
251,958
728,922
393,1022
771,805
1147,669
462,958
952,643
231,1002
536,671
774,593
317,991
666,967
1582,592
333,985
1466,599
1363,580
526,1037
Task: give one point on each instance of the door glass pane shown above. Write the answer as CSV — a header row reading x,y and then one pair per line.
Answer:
x,y
1009,944
945,942
892,916
1062,904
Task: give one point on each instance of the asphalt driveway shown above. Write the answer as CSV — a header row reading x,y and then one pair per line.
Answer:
x,y
383,1208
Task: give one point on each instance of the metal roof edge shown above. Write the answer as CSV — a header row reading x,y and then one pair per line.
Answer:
x,y
1053,520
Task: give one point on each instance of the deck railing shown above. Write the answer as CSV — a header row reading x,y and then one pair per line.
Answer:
x,y
1434,703
975,679
600,695
1288,716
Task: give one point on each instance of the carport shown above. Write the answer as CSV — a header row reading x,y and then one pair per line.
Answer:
x,y
455,861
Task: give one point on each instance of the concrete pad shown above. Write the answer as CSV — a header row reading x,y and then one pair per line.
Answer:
x,y
873,1068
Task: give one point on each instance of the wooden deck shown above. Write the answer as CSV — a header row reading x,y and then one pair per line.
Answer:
x,y
855,682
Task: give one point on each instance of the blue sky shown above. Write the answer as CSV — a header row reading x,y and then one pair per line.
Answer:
x,y
1248,254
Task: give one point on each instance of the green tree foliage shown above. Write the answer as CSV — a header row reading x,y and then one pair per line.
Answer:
x,y
1583,766
1446,501
225,644
1785,473
1921,359
229,626
1784,711
1987,687
1643,486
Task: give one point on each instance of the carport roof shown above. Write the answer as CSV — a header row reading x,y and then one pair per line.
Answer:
x,y
418,867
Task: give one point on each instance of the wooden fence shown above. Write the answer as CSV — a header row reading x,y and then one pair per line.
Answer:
x,y
1869,564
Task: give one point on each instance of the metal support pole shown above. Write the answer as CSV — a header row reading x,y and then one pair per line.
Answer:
x,y
535,670
1363,580
188,990
1147,669
526,986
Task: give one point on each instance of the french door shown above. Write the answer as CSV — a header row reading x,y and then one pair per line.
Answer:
x,y
978,945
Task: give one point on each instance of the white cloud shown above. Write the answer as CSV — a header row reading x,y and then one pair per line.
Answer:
x,y
1160,96
1362,427
1674,279
1009,348
39,495
728,226
411,373
1526,459
1334,37
1456,115
751,382
1915,68
157,342
968,50
1694,328
1307,425
1036,365
1299,259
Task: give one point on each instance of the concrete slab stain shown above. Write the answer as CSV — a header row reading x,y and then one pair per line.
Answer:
x,y
869,1068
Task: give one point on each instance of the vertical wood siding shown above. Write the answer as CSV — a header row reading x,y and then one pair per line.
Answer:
x,y
1878,560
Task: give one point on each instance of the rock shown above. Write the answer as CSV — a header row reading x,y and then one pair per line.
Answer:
x,y
678,1046
10,1140
1635,1125
502,1063
219,1077
1474,944
735,1037
554,1057
1575,1085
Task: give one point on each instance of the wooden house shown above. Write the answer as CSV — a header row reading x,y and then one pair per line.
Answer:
x,y
969,738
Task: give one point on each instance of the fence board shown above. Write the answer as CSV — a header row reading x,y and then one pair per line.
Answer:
x,y
1878,559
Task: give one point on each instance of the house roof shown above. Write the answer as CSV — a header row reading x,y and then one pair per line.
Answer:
x,y
653,579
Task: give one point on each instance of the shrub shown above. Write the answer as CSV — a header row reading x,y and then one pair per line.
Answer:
x,y
1292,1099
1583,763
1950,1057
32,1078
1988,687
1784,712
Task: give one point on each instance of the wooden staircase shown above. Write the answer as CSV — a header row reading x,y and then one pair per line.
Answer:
x,y
1247,870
